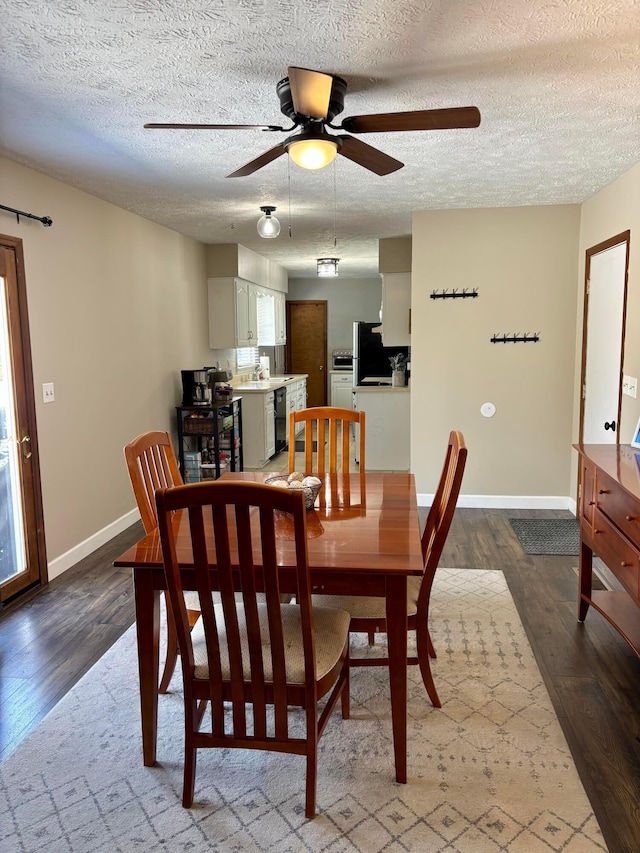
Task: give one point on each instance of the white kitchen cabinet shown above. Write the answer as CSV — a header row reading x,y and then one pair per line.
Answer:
x,y
296,401
292,400
387,427
258,429
280,309
341,388
396,309
269,425
233,317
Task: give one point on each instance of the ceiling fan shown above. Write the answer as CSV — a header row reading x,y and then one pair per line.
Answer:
x,y
312,99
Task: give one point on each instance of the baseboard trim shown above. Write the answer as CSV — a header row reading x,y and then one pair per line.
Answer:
x,y
83,549
508,502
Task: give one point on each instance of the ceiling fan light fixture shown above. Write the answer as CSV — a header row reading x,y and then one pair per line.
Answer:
x,y
328,267
268,226
312,153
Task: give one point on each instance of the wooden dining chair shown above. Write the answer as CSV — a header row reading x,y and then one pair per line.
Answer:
x,y
247,650
368,613
152,465
322,425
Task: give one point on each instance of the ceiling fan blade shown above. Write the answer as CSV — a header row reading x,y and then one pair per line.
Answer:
x,y
366,155
152,126
310,91
259,162
446,119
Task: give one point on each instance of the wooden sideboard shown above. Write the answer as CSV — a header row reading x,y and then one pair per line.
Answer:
x,y
610,528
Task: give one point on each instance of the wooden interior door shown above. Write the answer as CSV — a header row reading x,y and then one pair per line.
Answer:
x,y
307,346
22,548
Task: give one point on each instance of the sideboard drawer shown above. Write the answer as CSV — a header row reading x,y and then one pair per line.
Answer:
x,y
617,553
620,507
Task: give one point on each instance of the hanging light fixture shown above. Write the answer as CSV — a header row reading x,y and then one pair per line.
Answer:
x,y
313,149
328,266
268,226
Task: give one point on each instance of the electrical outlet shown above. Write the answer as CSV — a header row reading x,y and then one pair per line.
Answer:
x,y
47,392
632,389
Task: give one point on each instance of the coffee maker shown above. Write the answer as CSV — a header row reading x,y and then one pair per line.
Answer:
x,y
218,383
195,389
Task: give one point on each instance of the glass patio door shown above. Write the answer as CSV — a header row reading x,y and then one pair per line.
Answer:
x,y
22,555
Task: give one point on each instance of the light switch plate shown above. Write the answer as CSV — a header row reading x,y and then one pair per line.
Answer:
x,y
629,386
47,392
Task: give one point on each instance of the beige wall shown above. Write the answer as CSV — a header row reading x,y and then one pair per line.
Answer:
x,y
613,210
117,306
524,262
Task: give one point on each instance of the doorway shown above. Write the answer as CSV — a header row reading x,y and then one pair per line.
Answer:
x,y
22,549
603,340
307,346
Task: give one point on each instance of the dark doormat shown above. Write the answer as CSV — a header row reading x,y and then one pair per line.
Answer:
x,y
558,536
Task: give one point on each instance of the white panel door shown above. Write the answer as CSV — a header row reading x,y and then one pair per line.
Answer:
x,y
603,367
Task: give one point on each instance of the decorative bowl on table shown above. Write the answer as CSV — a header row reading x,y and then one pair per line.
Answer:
x,y
311,485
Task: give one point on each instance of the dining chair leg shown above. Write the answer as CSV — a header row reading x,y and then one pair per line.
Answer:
x,y
345,696
190,754
372,637
172,652
423,641
312,768
432,651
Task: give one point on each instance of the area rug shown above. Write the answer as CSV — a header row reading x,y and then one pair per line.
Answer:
x,y
490,771
554,536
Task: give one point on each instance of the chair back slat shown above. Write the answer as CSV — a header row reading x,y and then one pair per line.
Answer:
x,y
244,523
444,502
329,428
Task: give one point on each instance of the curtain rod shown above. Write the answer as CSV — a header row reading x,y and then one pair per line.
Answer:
x,y
46,220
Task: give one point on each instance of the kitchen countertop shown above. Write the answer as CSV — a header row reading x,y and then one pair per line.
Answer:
x,y
384,389
261,386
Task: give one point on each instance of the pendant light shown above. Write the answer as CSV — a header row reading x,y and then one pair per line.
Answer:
x,y
328,266
268,226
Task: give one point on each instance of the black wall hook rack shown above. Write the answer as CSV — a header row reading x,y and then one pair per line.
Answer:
x,y
46,220
516,338
455,294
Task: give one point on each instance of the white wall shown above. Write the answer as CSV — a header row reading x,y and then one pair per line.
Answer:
x,y
524,262
117,307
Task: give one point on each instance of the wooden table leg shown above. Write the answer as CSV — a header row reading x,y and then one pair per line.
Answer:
x,y
585,574
147,601
396,603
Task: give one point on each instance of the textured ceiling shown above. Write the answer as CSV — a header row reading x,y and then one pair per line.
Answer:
x,y
556,82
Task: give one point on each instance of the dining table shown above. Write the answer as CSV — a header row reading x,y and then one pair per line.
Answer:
x,y
363,538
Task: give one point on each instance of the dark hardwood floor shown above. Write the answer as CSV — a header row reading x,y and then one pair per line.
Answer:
x,y
48,642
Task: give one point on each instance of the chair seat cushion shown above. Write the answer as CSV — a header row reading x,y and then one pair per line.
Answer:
x,y
369,607
331,629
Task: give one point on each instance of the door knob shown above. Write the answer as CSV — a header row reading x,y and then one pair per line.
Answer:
x,y
611,426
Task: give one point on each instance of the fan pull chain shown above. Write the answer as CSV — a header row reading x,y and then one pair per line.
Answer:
x,y
335,239
289,181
